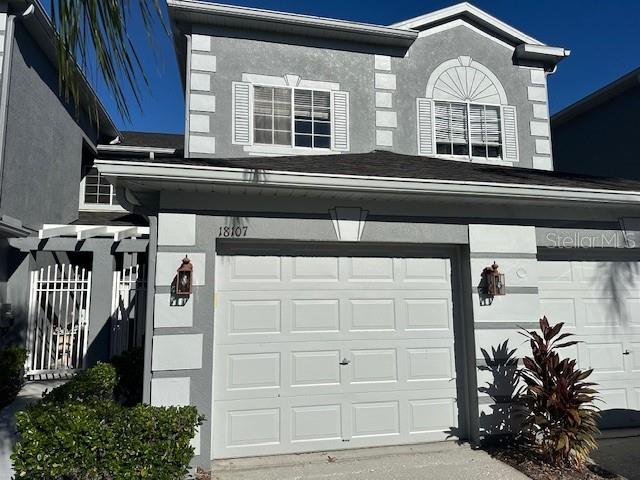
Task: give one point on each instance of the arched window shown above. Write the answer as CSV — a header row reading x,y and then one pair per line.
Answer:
x,y
465,114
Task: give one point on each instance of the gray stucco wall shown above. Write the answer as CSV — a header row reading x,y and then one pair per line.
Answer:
x,y
601,141
43,148
189,223
354,68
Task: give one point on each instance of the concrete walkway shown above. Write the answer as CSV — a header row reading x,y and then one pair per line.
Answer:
x,y
433,461
619,452
30,393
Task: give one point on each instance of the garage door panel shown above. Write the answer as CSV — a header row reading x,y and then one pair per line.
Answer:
x,y
430,364
431,415
606,302
316,422
560,309
314,368
375,419
251,317
315,315
332,422
332,353
604,358
305,269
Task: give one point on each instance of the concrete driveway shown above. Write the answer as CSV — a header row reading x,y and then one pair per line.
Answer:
x,y
434,461
619,452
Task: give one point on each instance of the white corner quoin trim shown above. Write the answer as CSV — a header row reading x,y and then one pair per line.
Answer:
x,y
115,170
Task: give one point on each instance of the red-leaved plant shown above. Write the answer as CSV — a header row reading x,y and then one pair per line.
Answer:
x,y
560,421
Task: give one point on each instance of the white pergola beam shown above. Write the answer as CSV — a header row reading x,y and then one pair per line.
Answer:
x,y
93,232
50,232
127,232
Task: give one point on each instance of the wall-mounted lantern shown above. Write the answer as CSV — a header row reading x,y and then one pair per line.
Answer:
x,y
185,277
495,280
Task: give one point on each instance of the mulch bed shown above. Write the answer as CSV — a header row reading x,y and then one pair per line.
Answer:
x,y
531,465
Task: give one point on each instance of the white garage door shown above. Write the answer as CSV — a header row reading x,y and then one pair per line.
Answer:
x,y
600,302
315,353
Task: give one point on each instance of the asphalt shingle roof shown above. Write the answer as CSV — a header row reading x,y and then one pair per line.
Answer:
x,y
149,139
389,164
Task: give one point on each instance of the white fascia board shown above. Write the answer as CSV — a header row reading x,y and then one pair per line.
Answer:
x,y
219,12
354,183
423,21
132,149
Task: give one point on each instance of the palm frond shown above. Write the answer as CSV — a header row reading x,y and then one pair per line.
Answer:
x,y
94,33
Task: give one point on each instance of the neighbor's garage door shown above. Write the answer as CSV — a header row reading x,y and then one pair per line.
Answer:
x,y
600,302
316,353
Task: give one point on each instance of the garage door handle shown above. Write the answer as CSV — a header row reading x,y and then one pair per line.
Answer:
x,y
626,352
345,362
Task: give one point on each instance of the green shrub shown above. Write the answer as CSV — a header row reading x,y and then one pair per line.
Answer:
x,y
103,440
93,384
11,373
130,369
561,419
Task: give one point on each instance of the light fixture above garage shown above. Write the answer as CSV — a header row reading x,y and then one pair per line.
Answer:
x,y
494,281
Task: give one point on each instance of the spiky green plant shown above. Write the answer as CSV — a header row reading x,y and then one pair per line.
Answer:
x,y
560,418
94,33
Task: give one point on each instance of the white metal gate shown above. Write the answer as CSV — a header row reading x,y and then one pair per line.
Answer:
x,y
128,309
58,318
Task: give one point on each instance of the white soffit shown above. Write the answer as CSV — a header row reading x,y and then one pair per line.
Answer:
x,y
423,22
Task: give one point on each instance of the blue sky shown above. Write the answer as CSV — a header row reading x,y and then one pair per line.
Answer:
x,y
603,37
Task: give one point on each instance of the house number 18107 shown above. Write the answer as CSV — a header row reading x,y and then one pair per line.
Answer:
x,y
238,231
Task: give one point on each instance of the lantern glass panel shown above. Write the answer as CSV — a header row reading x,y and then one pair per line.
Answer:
x,y
184,282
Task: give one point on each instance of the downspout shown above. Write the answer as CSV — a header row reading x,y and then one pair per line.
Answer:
x,y
7,56
187,99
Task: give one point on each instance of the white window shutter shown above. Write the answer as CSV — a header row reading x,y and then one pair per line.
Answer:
x,y
340,121
510,127
241,113
425,126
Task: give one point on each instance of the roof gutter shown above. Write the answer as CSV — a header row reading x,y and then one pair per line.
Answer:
x,y
7,56
193,11
117,171
546,55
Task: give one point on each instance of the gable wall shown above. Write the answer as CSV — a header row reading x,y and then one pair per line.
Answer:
x,y
44,142
219,57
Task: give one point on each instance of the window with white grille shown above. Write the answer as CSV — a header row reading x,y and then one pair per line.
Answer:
x,y
291,117
96,193
467,129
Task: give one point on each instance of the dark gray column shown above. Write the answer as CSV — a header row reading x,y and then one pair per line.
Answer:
x,y
100,309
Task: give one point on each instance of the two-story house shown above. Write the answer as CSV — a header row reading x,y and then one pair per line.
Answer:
x,y
343,189
596,135
70,255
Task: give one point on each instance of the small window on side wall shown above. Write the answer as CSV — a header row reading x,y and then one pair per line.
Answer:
x,y
96,193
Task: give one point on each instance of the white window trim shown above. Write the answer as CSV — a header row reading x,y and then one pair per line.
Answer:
x,y
95,207
469,158
287,80
276,150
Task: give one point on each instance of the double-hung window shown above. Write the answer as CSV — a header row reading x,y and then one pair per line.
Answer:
x,y
468,129
291,117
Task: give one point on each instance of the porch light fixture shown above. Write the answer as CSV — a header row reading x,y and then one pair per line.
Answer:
x,y
185,277
495,281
